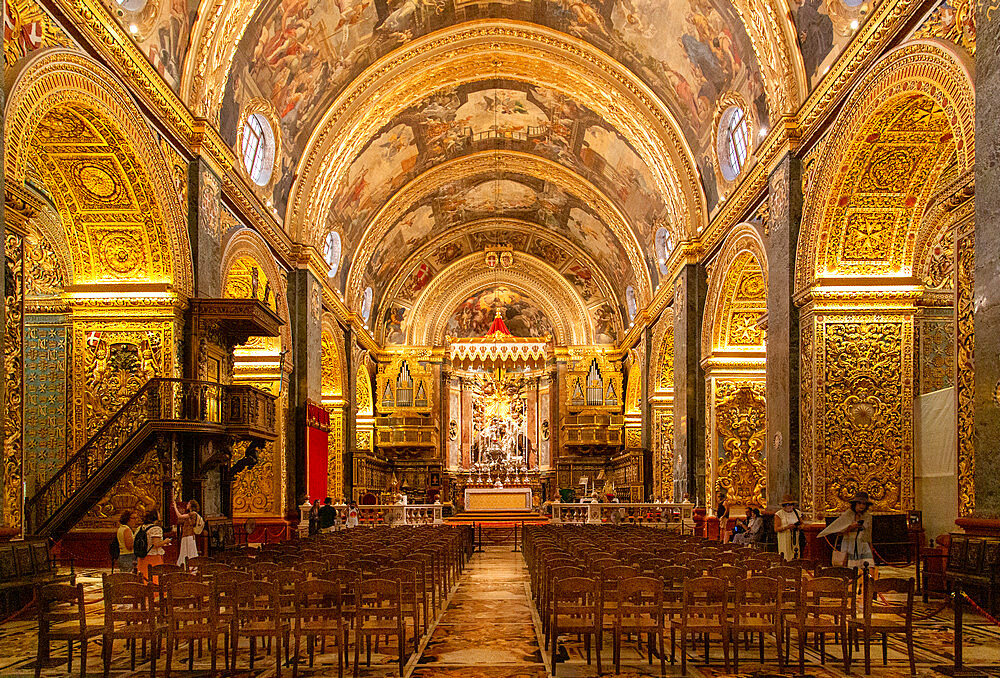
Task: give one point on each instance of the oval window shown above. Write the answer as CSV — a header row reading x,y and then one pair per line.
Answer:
x,y
633,306
664,245
331,251
366,304
258,148
734,142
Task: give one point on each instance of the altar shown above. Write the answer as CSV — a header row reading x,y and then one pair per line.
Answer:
x,y
497,498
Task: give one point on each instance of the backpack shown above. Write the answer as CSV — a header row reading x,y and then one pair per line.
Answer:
x,y
114,549
140,545
199,525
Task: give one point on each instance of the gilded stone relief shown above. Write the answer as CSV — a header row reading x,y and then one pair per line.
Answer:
x,y
27,28
937,354
13,363
741,427
867,411
46,400
952,20
965,380
116,230
253,488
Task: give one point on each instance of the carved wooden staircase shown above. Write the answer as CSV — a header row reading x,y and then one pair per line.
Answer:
x,y
161,406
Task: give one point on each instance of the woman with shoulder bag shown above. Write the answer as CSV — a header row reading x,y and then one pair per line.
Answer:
x,y
855,529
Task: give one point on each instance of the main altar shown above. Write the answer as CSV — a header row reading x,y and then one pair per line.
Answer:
x,y
499,419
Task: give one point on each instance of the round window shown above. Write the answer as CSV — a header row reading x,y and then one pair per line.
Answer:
x,y
633,306
258,148
734,142
366,304
664,245
331,251
132,5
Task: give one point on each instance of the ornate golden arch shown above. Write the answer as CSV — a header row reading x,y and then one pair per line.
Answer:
x,y
60,80
909,75
332,359
247,243
364,399
505,225
505,50
488,163
571,324
731,303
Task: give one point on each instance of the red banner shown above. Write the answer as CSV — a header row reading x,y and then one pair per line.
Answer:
x,y
317,449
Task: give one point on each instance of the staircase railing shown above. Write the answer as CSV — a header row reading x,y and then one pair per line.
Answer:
x,y
162,404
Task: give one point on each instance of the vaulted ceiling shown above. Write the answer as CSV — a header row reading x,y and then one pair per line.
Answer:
x,y
418,131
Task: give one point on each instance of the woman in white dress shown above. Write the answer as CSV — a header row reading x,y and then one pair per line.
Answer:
x,y
191,524
787,525
855,528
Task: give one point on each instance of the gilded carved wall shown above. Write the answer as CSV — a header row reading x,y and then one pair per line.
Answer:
x,y
965,379
859,431
13,363
740,415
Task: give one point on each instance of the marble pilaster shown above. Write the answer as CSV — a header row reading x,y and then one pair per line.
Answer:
x,y
690,289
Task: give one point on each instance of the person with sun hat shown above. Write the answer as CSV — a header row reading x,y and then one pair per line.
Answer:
x,y
788,526
855,529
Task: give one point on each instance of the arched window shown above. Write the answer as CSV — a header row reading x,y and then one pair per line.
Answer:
x,y
258,148
366,304
331,251
734,142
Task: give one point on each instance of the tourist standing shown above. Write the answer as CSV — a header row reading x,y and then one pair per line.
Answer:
x,y
352,514
314,518
788,527
191,525
148,544
327,515
855,529
126,538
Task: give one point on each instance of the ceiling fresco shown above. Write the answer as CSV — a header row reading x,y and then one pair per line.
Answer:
x,y
518,310
481,116
823,28
513,197
589,280
300,54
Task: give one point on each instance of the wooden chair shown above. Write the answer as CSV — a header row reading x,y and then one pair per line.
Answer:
x,y
576,608
702,566
379,614
156,571
823,609
885,615
226,587
706,611
318,614
609,579
639,610
791,596
408,601
262,569
194,564
286,579
758,610
419,570
545,605
192,614
129,615
757,567
259,615
62,616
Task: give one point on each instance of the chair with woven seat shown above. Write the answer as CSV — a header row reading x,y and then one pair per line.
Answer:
x,y
192,614
823,609
318,614
758,610
576,609
129,615
883,613
379,614
791,594
545,604
62,616
226,587
419,569
609,579
259,615
639,610
286,580
706,611
408,602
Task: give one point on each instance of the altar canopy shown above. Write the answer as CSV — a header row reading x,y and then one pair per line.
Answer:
x,y
499,348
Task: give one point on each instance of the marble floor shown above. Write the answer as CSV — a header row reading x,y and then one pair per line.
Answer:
x,y
489,629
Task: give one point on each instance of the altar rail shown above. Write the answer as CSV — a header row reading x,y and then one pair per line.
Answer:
x,y
664,515
382,514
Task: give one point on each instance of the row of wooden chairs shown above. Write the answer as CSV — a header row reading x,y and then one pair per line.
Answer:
x,y
386,583
706,590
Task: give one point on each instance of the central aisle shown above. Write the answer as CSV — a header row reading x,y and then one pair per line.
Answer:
x,y
487,630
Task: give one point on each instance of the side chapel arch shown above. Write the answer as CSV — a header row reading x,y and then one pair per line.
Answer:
x,y
860,253
733,356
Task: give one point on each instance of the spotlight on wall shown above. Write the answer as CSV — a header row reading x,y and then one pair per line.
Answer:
x,y
133,29
854,25
763,132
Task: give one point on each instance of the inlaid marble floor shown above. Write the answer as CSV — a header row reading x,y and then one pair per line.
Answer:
x,y
489,629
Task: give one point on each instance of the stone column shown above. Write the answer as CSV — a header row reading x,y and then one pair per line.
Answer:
x,y
204,230
304,382
646,425
781,236
350,412
690,289
986,289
